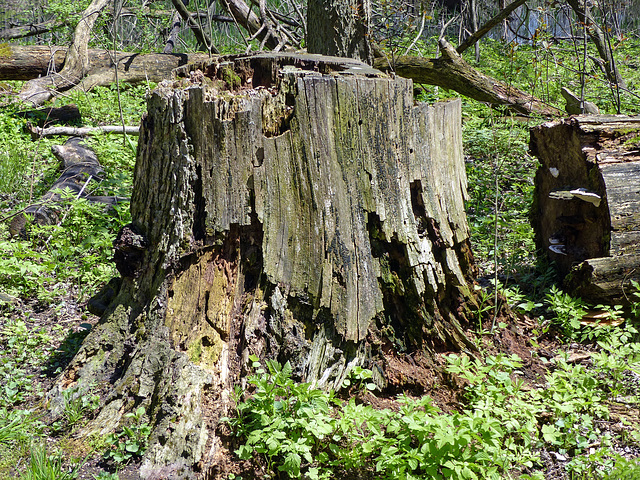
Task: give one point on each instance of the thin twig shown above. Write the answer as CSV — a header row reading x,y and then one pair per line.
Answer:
x,y
424,17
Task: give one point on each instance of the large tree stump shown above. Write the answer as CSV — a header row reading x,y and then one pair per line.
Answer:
x,y
587,211
298,208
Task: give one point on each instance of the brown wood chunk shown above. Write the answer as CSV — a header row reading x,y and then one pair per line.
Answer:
x,y
587,203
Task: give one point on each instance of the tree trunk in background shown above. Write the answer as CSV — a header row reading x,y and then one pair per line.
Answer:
x,y
340,28
76,62
297,208
587,204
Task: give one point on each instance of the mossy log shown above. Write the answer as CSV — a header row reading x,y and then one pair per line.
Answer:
x,y
294,207
587,203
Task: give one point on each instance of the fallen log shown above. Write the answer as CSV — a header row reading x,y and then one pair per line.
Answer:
x,y
587,203
449,71
452,72
46,116
80,166
19,62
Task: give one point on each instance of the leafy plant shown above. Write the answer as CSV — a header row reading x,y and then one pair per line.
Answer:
x,y
484,306
48,467
361,378
635,299
131,442
567,310
19,348
76,407
283,420
106,476
625,469
14,426
301,431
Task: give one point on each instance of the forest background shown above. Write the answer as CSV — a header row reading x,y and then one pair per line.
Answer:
x,y
579,419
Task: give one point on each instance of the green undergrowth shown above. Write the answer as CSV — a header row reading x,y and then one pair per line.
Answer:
x,y
75,252
27,449
22,350
51,268
500,430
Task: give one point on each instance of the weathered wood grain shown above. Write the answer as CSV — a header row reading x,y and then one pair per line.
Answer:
x,y
293,207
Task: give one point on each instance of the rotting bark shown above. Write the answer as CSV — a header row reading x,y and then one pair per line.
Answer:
x,y
587,203
295,207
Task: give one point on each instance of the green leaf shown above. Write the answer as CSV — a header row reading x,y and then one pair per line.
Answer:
x,y
291,464
550,434
244,452
132,447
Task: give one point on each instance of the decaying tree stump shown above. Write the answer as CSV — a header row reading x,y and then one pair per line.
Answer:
x,y
587,211
295,207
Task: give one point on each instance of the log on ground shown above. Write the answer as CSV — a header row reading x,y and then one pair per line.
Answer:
x,y
80,166
452,72
19,62
587,203
293,207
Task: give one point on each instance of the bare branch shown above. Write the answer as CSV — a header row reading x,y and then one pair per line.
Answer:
x,y
250,21
482,31
84,131
176,23
200,34
75,65
22,31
